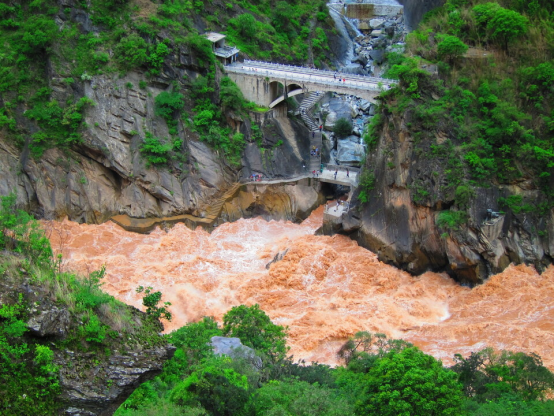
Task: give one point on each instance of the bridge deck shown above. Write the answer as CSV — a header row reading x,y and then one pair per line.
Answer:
x,y
315,76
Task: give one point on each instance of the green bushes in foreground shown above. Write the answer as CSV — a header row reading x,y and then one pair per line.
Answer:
x,y
381,376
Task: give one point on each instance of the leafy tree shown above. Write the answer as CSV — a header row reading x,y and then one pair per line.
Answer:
x,y
342,128
256,330
245,24
488,375
217,387
410,383
361,351
38,33
151,300
502,25
451,48
193,340
506,26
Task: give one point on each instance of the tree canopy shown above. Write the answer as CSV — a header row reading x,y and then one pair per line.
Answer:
x,y
256,330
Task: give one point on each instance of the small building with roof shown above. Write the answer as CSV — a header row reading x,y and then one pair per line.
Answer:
x,y
225,54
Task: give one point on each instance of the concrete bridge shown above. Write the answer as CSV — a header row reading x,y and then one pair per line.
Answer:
x,y
269,84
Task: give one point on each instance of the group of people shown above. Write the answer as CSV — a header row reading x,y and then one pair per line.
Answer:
x,y
315,151
255,178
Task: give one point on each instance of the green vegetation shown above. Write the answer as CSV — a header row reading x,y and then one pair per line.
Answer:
x,y
151,300
141,38
30,277
29,380
282,31
367,184
451,220
342,128
256,330
495,107
380,376
412,383
159,152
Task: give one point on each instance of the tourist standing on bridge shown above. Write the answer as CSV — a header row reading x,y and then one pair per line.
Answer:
x,y
335,174
347,173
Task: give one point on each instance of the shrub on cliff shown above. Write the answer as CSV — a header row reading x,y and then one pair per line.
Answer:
x,y
451,48
167,104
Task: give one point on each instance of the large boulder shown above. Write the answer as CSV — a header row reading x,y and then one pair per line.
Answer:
x,y
331,118
349,153
232,347
377,55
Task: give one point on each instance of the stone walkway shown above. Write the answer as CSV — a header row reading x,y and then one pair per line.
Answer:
x,y
335,209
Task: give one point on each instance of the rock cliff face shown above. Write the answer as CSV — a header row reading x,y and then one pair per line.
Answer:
x,y
105,175
399,222
94,380
414,10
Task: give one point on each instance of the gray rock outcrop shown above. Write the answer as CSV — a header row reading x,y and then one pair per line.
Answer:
x,y
232,347
350,153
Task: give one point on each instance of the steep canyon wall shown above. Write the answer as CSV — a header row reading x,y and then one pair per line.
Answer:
x,y
400,220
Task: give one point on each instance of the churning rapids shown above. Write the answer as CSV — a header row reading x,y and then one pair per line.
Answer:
x,y
325,288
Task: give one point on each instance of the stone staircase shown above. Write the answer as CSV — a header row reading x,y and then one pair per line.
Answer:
x,y
305,109
315,143
215,208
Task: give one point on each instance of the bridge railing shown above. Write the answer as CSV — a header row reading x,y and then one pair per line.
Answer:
x,y
350,82
324,72
342,168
